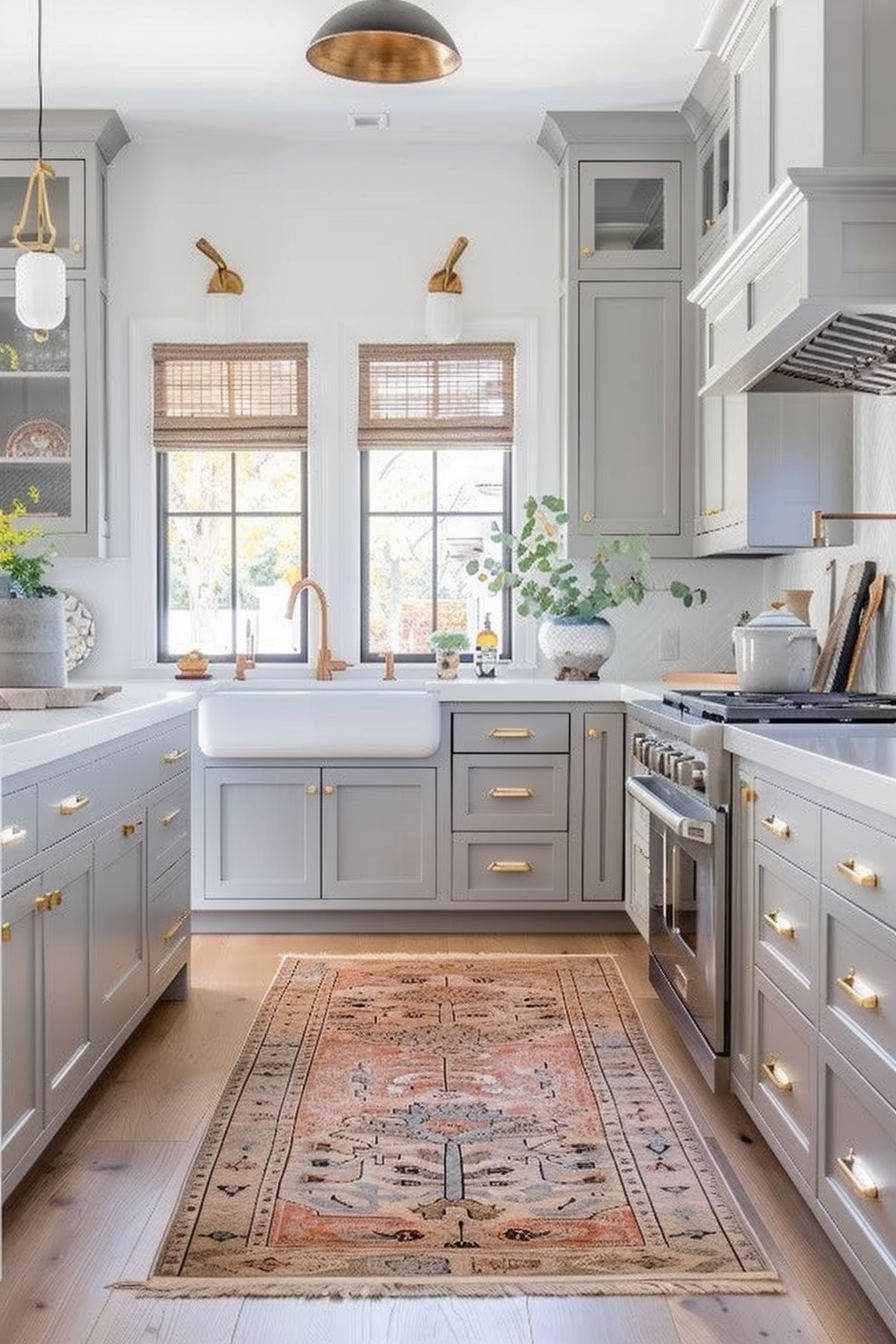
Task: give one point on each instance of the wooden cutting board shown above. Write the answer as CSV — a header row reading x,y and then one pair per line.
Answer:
x,y
52,697
836,654
700,681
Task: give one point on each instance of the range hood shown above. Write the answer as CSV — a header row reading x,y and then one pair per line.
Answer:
x,y
804,298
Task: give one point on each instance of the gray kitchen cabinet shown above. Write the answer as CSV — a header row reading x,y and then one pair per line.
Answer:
x,y
628,199
83,956
294,834
53,404
378,833
49,1039
767,460
814,962
121,967
602,809
262,834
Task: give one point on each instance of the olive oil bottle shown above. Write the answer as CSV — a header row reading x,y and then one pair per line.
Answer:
x,y
485,656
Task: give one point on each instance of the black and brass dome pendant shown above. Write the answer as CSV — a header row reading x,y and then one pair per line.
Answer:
x,y
384,42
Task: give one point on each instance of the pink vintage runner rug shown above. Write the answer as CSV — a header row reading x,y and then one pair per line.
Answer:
x,y
478,1125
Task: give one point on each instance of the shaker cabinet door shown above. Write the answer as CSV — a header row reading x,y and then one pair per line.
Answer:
x,y
629,441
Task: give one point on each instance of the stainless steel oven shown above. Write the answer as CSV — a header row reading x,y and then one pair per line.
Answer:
x,y
680,776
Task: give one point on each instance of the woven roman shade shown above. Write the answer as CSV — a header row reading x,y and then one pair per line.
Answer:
x,y
230,398
432,396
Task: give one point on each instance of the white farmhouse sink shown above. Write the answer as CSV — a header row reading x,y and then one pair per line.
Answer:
x,y
373,721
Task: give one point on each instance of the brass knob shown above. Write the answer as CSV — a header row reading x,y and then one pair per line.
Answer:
x,y
587,517
587,251
311,790
329,790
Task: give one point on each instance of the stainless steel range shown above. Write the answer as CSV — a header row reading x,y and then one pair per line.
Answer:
x,y
680,774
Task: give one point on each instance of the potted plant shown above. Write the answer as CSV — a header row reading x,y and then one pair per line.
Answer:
x,y
567,597
448,645
32,616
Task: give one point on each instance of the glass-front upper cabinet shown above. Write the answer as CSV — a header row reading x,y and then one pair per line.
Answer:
x,y
65,193
629,215
43,415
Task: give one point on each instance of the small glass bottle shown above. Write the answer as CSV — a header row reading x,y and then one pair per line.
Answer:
x,y
485,657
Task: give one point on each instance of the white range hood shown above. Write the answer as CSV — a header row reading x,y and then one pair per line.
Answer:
x,y
805,296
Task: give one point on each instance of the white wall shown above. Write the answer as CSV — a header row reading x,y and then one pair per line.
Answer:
x,y
325,236
824,571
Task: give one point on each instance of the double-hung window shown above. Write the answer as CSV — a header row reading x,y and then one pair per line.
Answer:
x,y
230,430
435,430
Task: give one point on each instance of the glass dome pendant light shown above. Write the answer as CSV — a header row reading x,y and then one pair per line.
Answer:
x,y
384,42
40,273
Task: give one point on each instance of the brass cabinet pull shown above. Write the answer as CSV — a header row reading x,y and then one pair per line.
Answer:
x,y
855,989
857,873
12,835
592,733
747,794
329,790
170,817
511,732
508,791
49,900
856,1177
69,806
777,1076
587,517
6,933
587,251
55,898
41,904
130,827
311,790
781,925
174,755
509,866
171,933
777,827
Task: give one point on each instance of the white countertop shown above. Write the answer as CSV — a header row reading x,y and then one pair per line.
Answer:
x,y
856,761
38,736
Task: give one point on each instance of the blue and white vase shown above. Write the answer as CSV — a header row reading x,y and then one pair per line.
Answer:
x,y
576,646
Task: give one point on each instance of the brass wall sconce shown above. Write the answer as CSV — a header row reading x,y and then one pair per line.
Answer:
x,y
819,537
444,302
223,296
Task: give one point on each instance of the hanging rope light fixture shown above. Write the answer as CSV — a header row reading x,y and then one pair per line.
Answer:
x,y
40,273
384,42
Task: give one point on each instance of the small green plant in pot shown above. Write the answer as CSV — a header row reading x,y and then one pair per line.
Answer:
x,y
567,597
32,617
448,645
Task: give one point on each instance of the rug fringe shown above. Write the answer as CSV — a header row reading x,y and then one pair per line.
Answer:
x,y
608,1285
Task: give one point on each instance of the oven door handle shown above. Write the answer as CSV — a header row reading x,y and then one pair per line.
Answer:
x,y
689,828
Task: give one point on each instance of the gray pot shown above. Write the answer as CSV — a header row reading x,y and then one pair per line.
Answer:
x,y
32,641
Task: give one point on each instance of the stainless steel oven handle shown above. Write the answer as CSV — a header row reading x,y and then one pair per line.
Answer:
x,y
687,827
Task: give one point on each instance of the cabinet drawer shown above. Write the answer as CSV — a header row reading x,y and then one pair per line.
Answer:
x,y
787,927
859,862
857,1168
497,793
161,757
784,1086
169,921
506,731
788,824
858,1006
511,867
18,836
168,828
71,800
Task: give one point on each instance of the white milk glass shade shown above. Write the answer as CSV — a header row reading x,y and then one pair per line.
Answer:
x,y
444,318
40,290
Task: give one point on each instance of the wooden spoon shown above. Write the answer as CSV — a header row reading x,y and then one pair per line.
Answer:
x,y
875,597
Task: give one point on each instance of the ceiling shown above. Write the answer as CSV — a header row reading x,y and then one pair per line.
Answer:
x,y
179,67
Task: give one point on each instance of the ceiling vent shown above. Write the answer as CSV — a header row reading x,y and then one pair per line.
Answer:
x,y
368,121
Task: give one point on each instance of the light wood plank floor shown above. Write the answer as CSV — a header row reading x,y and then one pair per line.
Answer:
x,y
95,1208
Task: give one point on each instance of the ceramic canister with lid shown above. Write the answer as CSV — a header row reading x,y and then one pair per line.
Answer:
x,y
775,652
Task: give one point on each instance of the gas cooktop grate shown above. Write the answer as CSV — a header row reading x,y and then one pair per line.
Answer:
x,y
790,707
